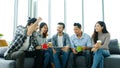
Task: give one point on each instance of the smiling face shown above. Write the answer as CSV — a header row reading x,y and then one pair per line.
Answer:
x,y
44,29
60,28
98,27
77,30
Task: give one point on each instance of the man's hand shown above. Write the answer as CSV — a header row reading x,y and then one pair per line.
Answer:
x,y
74,51
33,27
65,48
84,48
38,20
54,51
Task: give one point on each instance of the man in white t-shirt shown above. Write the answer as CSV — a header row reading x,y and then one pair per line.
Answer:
x,y
61,44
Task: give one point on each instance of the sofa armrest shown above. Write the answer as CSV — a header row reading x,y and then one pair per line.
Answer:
x,y
114,46
2,51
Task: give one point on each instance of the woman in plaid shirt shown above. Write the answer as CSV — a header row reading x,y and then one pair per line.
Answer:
x,y
24,45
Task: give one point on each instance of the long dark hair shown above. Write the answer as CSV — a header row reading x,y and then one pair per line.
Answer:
x,y
104,30
42,24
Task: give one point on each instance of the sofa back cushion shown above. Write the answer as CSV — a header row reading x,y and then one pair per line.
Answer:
x,y
114,46
2,51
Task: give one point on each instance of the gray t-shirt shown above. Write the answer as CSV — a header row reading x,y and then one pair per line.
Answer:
x,y
105,39
40,39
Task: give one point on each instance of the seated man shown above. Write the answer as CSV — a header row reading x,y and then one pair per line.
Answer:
x,y
23,45
61,43
79,41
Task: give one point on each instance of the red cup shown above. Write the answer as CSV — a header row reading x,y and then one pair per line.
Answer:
x,y
44,46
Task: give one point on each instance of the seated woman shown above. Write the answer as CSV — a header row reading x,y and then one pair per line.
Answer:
x,y
101,39
42,41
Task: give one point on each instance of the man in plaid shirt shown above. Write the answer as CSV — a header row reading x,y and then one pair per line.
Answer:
x,y
24,45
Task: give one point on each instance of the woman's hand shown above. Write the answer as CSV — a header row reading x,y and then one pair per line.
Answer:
x,y
96,46
94,49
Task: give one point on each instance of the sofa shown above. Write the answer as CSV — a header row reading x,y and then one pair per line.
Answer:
x,y
113,61
11,63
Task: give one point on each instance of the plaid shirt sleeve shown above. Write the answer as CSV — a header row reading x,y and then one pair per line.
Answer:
x,y
33,41
18,40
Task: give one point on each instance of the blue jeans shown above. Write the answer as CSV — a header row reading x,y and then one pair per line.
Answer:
x,y
98,59
57,56
48,57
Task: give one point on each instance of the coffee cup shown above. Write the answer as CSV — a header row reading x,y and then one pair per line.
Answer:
x,y
99,42
50,44
44,46
79,48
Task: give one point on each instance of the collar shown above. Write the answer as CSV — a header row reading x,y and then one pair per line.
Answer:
x,y
83,35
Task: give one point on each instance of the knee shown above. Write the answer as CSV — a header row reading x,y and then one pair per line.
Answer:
x,y
21,54
55,55
47,55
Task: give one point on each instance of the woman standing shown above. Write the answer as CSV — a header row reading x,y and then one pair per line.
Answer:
x,y
101,39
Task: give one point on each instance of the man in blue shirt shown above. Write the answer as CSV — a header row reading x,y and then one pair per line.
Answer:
x,y
61,43
80,45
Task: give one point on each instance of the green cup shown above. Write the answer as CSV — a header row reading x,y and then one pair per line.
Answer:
x,y
79,48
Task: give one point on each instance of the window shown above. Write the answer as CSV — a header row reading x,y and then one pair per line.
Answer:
x,y
73,14
7,18
57,14
22,12
92,14
112,15
43,10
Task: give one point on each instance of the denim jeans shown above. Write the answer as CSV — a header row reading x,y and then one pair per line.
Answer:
x,y
98,59
60,55
48,57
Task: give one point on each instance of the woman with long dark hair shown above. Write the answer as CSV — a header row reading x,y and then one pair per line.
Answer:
x,y
42,39
101,38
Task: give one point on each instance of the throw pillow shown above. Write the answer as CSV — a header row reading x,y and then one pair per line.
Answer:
x,y
114,46
2,51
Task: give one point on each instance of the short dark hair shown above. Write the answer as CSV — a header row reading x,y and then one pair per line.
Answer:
x,y
78,25
30,21
60,23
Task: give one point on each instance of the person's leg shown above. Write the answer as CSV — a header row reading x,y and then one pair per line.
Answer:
x,y
29,54
46,58
56,59
98,56
101,64
19,57
51,58
105,53
64,58
39,58
71,60
88,57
